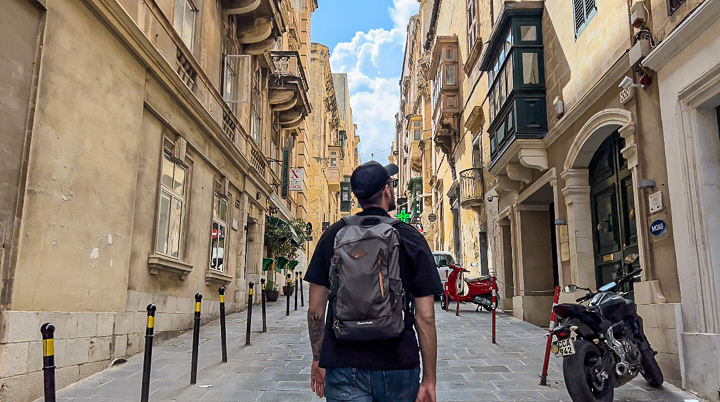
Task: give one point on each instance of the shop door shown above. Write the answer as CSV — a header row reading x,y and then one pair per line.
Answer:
x,y
613,209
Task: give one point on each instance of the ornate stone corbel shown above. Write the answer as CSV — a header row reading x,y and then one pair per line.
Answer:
x,y
630,150
504,183
534,158
518,172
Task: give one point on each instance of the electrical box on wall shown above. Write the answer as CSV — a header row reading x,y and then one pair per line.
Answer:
x,y
638,15
639,51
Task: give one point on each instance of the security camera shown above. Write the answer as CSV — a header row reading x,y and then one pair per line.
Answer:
x,y
627,82
490,198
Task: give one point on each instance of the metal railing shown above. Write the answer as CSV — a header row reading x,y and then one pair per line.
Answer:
x,y
472,187
288,64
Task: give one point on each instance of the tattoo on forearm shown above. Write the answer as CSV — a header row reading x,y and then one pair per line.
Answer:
x,y
316,328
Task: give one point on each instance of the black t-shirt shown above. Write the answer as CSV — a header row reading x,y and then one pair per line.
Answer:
x,y
419,278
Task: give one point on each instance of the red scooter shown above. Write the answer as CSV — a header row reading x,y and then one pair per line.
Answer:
x,y
477,290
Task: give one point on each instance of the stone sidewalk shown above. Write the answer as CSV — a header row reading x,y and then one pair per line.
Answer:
x,y
276,366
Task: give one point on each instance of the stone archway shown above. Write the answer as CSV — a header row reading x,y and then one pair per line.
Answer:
x,y
577,187
595,131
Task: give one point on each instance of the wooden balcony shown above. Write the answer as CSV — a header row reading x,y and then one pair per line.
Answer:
x,y
333,177
416,154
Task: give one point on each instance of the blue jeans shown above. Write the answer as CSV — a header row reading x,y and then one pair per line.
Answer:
x,y
349,384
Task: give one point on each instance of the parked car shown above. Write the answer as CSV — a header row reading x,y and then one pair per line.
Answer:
x,y
442,260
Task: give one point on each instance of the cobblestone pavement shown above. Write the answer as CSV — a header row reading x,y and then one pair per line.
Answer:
x,y
276,366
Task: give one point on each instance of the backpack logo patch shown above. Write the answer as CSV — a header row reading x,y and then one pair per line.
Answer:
x,y
358,254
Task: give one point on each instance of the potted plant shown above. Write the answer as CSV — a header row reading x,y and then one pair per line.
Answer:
x,y
271,291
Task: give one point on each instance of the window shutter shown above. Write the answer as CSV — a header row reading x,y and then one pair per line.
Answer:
x,y
472,23
589,7
579,12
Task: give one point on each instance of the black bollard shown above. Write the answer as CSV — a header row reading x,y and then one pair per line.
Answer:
x,y
149,330
249,318
48,334
287,311
264,318
302,293
296,289
223,337
196,340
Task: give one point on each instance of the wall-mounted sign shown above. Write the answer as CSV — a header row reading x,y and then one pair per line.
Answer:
x,y
655,201
296,180
432,217
658,227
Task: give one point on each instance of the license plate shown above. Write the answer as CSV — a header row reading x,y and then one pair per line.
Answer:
x,y
566,347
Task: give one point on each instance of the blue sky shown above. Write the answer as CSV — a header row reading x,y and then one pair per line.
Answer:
x,y
367,40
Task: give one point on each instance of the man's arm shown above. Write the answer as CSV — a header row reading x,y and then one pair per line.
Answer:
x,y
316,329
316,317
425,325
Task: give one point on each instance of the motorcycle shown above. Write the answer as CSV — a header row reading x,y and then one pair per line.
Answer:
x,y
603,344
477,290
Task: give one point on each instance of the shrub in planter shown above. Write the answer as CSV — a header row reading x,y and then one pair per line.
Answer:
x,y
271,291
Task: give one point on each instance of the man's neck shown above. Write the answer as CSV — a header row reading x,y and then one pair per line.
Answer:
x,y
367,207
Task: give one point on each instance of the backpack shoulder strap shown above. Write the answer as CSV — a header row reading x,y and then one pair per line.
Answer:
x,y
353,220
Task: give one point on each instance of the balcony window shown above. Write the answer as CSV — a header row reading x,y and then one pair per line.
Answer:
x,y
417,131
514,62
445,69
184,21
530,68
257,110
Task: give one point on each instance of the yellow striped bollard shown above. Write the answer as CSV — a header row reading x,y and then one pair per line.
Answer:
x,y
149,334
48,334
196,340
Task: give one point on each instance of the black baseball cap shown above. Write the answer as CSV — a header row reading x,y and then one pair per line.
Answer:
x,y
371,177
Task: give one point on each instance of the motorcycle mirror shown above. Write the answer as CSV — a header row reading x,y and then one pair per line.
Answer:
x,y
570,289
630,258
473,264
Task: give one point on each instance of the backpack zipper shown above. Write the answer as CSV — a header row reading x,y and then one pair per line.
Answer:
x,y
379,264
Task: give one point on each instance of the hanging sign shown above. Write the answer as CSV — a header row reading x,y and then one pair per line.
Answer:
x,y
296,180
432,217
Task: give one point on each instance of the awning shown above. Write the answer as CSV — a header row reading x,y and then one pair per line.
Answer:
x,y
272,220
278,202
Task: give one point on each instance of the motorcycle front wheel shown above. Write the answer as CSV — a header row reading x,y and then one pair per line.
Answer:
x,y
580,373
651,370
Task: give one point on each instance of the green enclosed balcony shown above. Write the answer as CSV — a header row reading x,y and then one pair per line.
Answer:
x,y
515,65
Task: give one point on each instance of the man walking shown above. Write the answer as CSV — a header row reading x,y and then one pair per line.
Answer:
x,y
366,361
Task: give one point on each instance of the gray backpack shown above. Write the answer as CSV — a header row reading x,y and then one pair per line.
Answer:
x,y
367,296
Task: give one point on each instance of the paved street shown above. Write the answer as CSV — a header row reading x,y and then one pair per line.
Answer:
x,y
276,366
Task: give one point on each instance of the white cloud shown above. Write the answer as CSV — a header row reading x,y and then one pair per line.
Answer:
x,y
373,61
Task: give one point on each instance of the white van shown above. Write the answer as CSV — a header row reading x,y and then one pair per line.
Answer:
x,y
442,259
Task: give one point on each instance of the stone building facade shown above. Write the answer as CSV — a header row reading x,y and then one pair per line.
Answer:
x,y
687,66
145,144
575,137
333,146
